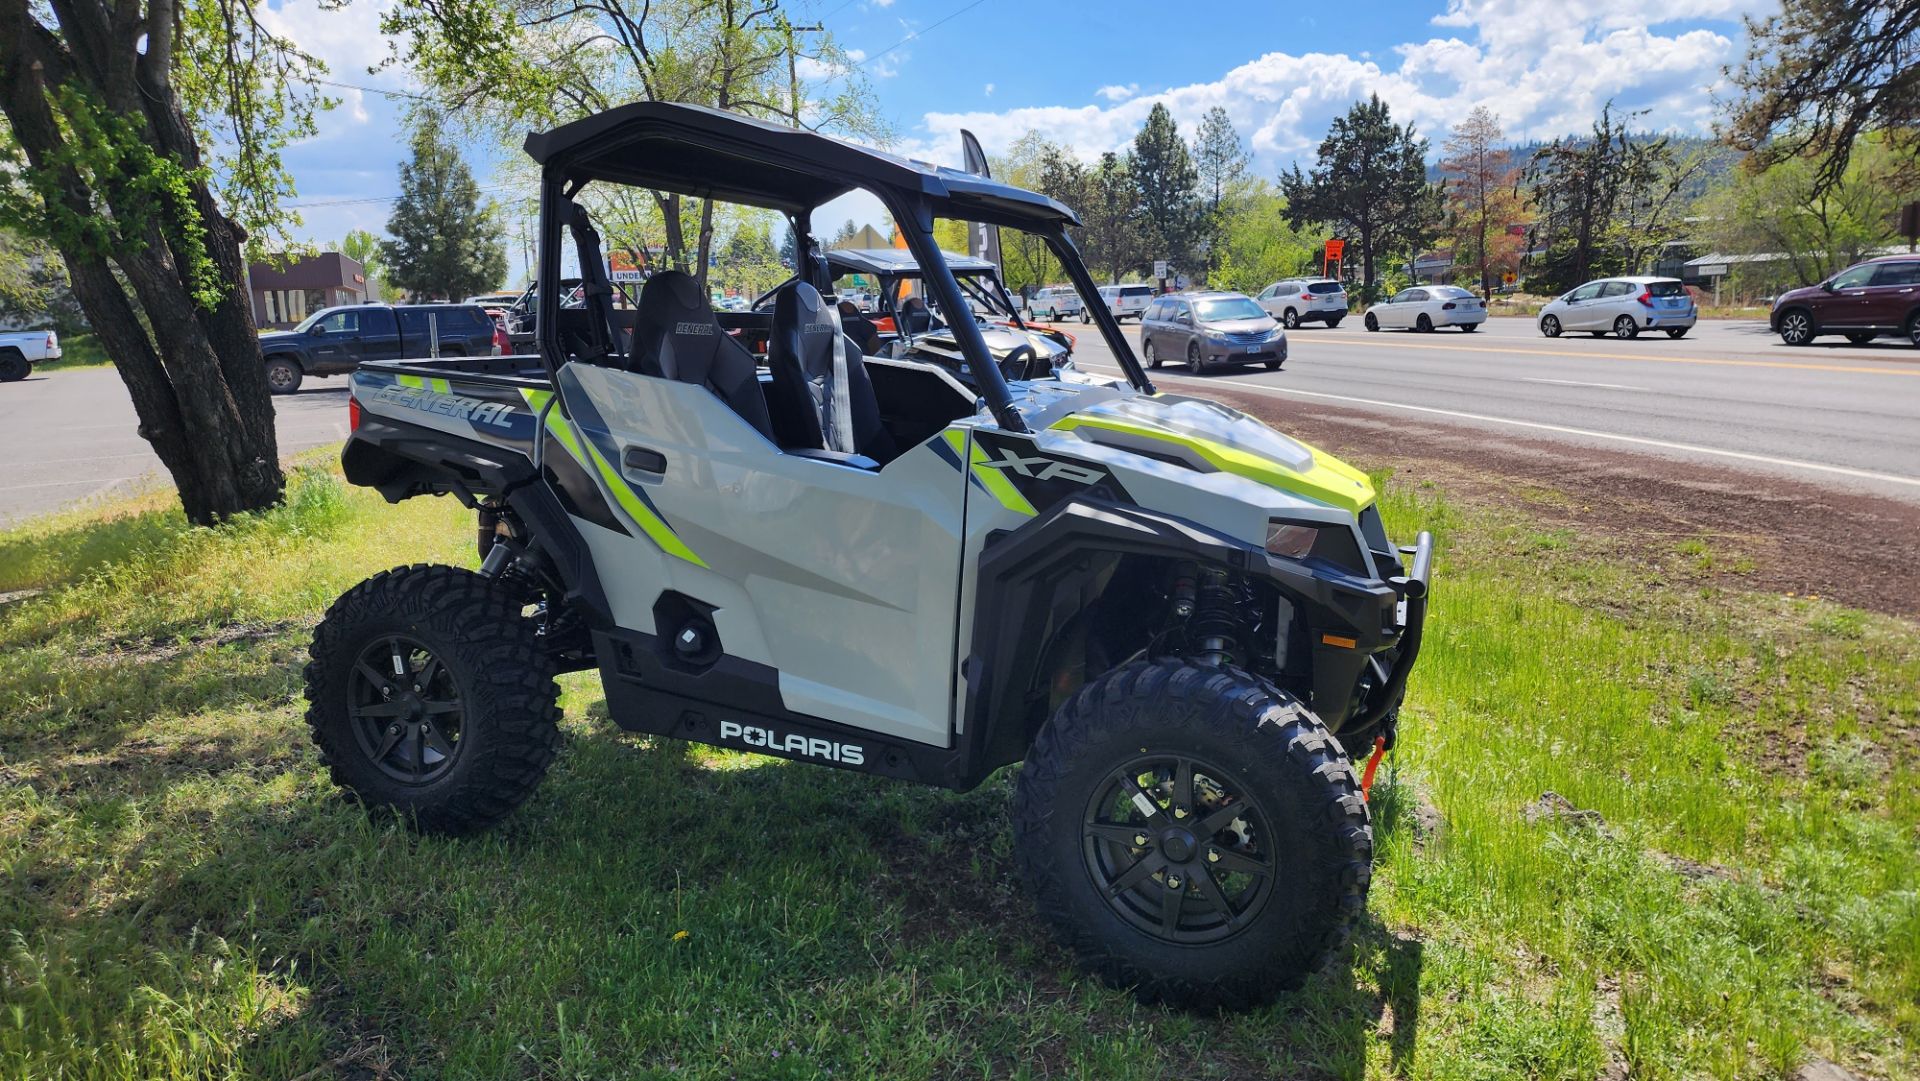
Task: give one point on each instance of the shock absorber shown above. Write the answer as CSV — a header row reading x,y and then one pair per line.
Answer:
x,y
1218,625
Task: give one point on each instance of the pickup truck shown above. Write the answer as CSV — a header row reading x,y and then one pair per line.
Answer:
x,y
20,350
334,341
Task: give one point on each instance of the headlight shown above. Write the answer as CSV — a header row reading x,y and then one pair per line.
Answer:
x,y
1317,540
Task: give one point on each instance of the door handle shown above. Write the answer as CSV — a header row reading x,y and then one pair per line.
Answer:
x,y
642,460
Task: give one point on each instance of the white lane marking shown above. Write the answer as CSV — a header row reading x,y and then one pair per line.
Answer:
x,y
1578,383
1691,448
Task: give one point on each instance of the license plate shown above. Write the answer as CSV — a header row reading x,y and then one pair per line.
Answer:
x,y
1253,349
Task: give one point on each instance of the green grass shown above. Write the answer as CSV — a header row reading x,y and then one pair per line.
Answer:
x,y
77,351
184,895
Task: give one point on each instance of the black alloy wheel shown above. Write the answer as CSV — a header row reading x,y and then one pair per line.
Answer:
x,y
1424,325
1175,852
407,710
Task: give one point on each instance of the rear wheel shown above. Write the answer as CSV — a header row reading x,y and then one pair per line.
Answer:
x,y
1625,327
14,366
430,693
1550,326
1796,327
1913,328
1469,328
1372,322
1196,362
1334,321
1423,324
1290,319
1193,834
1676,332
283,375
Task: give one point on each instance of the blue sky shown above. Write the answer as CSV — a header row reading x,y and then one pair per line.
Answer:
x,y
1087,74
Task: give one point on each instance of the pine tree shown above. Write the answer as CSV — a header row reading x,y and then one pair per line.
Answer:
x,y
1162,170
1220,161
1369,183
1115,233
446,241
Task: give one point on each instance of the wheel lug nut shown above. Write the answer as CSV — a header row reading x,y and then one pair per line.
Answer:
x,y
1173,882
1139,840
1213,855
1179,812
416,688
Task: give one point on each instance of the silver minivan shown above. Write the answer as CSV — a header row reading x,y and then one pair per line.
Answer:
x,y
1304,300
1622,307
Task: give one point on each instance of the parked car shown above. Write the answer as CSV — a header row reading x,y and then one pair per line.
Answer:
x,y
1055,301
334,341
1622,307
1429,307
1210,329
1864,301
21,350
1123,301
1305,300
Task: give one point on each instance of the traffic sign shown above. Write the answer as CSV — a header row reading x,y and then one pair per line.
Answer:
x,y
1159,268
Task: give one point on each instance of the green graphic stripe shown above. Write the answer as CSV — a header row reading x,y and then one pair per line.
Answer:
x,y
1329,480
630,501
997,483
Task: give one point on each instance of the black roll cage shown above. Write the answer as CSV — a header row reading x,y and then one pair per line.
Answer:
x,y
713,155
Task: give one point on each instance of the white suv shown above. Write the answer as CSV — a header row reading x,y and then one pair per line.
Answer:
x,y
1304,300
1124,300
1056,301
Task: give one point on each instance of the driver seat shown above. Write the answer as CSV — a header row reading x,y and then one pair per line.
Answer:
x,y
820,397
675,336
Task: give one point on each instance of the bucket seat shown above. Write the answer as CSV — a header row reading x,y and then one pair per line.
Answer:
x,y
677,337
820,397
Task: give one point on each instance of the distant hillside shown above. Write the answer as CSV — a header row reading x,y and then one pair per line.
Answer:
x,y
1720,157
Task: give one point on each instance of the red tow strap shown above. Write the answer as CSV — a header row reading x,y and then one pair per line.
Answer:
x,y
1373,763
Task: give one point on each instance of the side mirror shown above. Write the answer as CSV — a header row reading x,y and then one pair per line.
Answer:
x,y
317,330
1829,286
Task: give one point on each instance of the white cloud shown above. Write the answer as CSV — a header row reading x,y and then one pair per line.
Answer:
x,y
1543,76
988,89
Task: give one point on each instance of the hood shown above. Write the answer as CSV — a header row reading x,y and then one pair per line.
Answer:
x,y
1211,438
1250,325
279,337
1805,292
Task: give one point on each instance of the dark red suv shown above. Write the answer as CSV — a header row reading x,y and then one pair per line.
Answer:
x,y
1864,301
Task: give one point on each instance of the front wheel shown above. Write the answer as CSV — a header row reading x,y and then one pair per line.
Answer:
x,y
1153,358
1193,834
1550,326
283,375
1861,337
1196,363
1085,316
1796,328
1625,327
430,693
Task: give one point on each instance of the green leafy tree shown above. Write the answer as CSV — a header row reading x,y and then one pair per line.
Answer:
x,y
363,247
1038,164
1116,230
34,291
515,64
1259,245
1785,210
1818,74
109,107
1220,160
1369,183
446,240
1170,207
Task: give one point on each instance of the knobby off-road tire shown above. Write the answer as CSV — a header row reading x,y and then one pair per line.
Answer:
x,y
485,678
1288,847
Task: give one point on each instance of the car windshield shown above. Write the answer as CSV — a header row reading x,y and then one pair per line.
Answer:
x,y
1667,289
307,324
1222,309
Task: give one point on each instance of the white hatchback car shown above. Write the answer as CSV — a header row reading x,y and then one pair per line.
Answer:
x,y
1622,307
1304,300
1054,302
1429,307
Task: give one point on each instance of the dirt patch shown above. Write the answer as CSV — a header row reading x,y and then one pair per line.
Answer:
x,y
1749,530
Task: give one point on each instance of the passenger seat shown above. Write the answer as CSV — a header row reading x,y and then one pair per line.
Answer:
x,y
820,397
675,336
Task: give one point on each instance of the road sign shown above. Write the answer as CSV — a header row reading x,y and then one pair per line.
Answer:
x,y
1711,270
1507,278
1159,268
621,267
1336,249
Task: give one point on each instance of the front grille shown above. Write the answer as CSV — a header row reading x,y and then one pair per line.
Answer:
x,y
1247,337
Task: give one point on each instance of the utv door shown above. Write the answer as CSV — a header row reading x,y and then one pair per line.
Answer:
x,y
844,580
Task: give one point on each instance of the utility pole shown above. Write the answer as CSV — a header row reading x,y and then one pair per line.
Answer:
x,y
793,64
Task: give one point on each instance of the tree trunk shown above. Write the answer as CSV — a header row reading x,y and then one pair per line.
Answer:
x,y
194,373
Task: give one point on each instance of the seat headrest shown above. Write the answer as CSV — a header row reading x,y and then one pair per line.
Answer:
x,y
675,332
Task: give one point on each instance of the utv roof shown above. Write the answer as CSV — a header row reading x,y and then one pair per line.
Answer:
x,y
708,153
899,261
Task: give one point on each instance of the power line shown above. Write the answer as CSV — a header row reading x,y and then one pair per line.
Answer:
x,y
377,90
920,33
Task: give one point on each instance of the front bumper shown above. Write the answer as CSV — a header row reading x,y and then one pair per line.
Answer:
x,y
1245,353
1391,666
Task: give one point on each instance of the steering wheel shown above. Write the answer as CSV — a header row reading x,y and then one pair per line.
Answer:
x,y
1019,363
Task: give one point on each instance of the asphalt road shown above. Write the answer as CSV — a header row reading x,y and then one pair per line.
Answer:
x,y
1729,394
69,437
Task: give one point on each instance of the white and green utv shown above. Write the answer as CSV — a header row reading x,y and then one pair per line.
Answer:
x,y
1181,621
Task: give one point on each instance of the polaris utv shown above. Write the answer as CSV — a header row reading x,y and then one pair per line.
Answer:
x,y
1180,620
